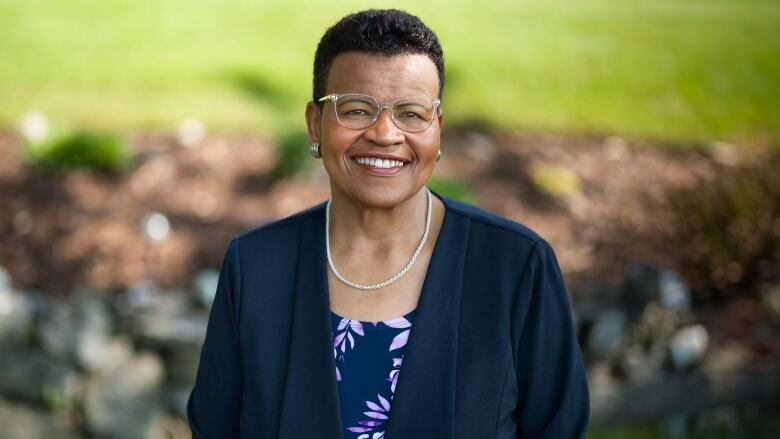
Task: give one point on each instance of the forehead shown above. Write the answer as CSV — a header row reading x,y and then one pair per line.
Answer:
x,y
384,77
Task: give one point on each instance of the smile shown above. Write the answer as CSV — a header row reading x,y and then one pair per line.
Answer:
x,y
379,163
378,166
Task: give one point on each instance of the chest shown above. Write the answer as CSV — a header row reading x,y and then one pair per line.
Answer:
x,y
396,299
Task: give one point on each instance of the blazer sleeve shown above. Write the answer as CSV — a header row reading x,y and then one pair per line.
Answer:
x,y
214,405
553,400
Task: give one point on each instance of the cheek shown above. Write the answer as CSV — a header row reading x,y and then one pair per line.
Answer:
x,y
426,146
337,142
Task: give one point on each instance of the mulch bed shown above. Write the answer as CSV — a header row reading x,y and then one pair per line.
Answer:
x,y
60,231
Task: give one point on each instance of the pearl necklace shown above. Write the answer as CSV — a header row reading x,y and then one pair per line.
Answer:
x,y
392,279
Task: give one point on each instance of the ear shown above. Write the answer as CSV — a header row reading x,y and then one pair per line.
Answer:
x,y
313,121
440,117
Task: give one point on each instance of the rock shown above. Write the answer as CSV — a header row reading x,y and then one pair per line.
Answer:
x,y
642,283
590,296
33,126
174,427
642,366
81,332
188,329
607,335
688,395
33,377
5,281
156,227
175,397
98,352
657,325
123,402
770,299
177,338
726,154
190,132
481,147
140,295
688,345
93,311
674,293
57,332
204,288
147,297
17,318
726,358
601,381
616,149
19,421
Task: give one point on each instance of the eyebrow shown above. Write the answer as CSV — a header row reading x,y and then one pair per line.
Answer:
x,y
413,104
359,99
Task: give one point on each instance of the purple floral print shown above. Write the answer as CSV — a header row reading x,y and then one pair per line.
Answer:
x,y
344,334
367,419
378,414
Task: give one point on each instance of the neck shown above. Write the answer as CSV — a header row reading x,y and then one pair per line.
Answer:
x,y
356,226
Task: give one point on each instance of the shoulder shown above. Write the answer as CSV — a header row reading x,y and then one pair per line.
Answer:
x,y
493,224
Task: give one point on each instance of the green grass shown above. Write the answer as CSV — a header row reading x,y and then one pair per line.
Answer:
x,y
676,70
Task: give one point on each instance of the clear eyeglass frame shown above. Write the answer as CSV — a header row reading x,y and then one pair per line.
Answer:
x,y
333,97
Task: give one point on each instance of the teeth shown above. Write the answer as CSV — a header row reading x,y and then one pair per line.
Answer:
x,y
379,163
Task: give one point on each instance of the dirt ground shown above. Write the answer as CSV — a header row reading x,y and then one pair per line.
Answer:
x,y
83,228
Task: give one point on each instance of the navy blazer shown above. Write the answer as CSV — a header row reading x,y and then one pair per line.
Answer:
x,y
492,353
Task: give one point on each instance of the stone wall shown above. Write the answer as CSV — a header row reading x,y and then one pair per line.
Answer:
x,y
122,366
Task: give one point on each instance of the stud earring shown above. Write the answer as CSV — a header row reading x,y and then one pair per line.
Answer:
x,y
314,149
438,155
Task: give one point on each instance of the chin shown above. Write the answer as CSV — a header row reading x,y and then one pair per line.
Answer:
x,y
380,197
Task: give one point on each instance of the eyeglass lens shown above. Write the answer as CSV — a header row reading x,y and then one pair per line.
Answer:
x,y
359,112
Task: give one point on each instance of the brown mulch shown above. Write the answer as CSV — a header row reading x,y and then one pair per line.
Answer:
x,y
59,231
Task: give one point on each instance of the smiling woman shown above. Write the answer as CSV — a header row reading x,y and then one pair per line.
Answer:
x,y
351,126
389,311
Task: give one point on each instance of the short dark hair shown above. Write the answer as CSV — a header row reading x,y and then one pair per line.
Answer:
x,y
378,31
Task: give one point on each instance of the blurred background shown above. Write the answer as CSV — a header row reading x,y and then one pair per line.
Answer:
x,y
640,137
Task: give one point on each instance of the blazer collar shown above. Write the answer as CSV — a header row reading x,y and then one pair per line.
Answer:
x,y
424,400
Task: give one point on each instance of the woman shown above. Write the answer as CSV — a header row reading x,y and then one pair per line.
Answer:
x,y
389,311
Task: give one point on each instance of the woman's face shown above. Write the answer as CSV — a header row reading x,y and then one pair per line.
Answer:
x,y
386,78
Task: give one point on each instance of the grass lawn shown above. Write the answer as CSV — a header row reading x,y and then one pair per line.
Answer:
x,y
665,69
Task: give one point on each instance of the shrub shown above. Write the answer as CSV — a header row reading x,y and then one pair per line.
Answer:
x,y
87,150
730,228
554,181
294,156
452,188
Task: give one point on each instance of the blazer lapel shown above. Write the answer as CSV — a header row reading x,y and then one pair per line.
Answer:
x,y
424,401
311,402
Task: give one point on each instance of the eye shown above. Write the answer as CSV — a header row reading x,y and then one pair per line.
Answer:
x,y
356,112
409,115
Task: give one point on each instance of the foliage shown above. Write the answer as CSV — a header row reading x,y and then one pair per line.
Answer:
x,y
731,227
293,155
454,189
555,181
87,150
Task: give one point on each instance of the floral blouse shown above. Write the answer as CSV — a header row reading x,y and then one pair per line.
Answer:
x,y
368,359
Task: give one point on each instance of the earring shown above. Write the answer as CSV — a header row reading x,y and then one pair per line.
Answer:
x,y
438,155
314,149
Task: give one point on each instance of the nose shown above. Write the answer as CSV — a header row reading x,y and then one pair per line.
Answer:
x,y
384,131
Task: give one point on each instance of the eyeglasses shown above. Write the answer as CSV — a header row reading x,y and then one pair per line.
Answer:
x,y
358,112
